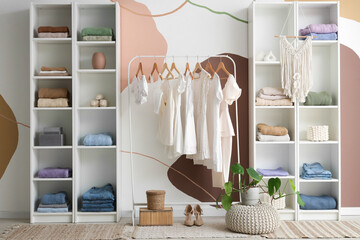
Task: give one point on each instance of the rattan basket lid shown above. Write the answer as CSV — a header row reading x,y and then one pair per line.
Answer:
x,y
155,192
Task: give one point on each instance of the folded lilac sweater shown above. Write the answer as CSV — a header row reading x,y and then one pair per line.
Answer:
x,y
319,28
55,173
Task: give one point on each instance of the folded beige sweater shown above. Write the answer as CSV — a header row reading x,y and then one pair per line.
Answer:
x,y
270,130
57,102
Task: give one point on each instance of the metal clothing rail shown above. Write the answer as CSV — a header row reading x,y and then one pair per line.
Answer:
x,y
134,203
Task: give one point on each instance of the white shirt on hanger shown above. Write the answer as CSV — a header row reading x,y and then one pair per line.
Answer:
x,y
157,94
139,87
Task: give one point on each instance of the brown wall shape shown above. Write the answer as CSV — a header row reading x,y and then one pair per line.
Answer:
x,y
350,115
8,135
200,174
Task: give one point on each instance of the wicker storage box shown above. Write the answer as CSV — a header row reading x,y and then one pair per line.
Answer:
x,y
277,204
155,199
318,133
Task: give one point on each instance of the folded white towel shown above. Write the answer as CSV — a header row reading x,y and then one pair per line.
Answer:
x,y
271,97
52,72
272,138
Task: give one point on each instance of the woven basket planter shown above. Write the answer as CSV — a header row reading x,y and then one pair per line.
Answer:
x,y
258,219
277,204
155,199
318,133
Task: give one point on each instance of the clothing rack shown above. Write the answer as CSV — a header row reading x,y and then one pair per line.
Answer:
x,y
134,203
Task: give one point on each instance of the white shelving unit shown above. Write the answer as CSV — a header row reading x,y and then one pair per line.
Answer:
x,y
266,20
92,166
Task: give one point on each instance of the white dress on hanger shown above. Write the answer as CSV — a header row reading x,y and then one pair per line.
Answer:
x,y
156,94
187,117
139,87
214,98
231,93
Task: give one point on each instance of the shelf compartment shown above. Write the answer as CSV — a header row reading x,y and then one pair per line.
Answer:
x,y
267,76
93,84
53,217
86,52
96,216
329,215
46,82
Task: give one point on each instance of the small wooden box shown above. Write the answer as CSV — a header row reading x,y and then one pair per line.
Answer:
x,y
156,217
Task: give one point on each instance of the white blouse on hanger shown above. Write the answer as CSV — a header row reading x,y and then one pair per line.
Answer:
x,y
157,93
139,87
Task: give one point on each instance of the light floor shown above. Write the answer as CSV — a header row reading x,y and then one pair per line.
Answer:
x,y
6,223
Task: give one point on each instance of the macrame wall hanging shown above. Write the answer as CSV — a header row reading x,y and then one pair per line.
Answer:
x,y
296,66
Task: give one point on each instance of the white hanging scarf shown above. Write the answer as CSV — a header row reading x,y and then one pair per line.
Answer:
x,y
296,68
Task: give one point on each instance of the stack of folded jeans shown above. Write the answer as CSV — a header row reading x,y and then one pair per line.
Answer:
x,y
53,203
315,171
321,31
99,199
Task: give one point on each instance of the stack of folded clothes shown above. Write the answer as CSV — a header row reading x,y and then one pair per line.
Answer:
x,y
97,34
272,172
269,96
54,202
268,133
315,171
53,32
53,71
55,173
318,202
321,31
53,97
99,199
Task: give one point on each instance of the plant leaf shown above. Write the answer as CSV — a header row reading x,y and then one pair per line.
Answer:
x,y
292,185
228,188
254,174
274,185
237,169
217,201
226,202
299,200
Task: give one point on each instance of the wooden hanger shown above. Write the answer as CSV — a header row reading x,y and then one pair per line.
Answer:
x,y
197,67
155,68
209,68
165,67
221,66
173,66
187,68
140,69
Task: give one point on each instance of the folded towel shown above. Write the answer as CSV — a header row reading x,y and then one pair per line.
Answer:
x,y
97,209
53,35
272,172
57,102
281,102
322,36
96,32
102,139
103,193
53,72
272,138
55,173
43,68
54,198
272,91
319,28
315,171
48,73
65,205
97,201
97,38
104,205
50,29
53,93
52,210
270,130
325,175
318,202
318,98
271,97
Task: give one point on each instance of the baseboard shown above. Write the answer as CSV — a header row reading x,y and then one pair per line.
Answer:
x,y
350,211
14,215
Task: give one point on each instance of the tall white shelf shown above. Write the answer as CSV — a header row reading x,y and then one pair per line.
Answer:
x,y
266,19
92,166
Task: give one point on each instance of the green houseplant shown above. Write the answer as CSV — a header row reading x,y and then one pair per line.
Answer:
x,y
272,187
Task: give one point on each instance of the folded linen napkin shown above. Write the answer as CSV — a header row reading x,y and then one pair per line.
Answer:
x,y
319,28
272,91
318,98
54,198
50,29
318,202
280,102
103,193
270,130
55,173
97,38
102,139
271,97
53,93
97,32
272,138
43,68
57,102
53,35
272,172
322,36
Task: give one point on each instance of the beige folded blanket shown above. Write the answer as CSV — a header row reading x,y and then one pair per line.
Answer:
x,y
271,97
53,35
53,68
52,93
57,102
270,130
280,102
272,91
53,74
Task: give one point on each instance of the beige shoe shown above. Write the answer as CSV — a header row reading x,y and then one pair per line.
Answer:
x,y
188,213
198,212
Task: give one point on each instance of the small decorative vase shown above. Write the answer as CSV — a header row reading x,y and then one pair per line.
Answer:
x,y
98,60
270,57
250,197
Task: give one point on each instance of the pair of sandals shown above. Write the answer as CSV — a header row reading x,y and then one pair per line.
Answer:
x,y
197,211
